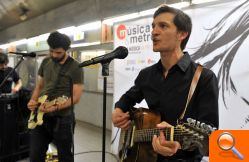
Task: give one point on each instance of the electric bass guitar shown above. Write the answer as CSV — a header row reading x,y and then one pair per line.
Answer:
x,y
135,144
36,116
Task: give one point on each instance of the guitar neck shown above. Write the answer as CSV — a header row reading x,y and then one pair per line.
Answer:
x,y
146,135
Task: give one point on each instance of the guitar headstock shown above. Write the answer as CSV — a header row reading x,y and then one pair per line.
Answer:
x,y
195,135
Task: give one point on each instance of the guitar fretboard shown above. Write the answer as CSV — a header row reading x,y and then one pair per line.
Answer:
x,y
146,135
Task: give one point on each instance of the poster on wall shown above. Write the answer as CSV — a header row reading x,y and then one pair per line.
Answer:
x,y
136,36
221,43
218,42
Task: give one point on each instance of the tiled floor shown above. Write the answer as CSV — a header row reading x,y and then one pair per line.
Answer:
x,y
88,140
88,144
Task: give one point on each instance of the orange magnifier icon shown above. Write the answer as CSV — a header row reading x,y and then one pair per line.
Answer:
x,y
226,142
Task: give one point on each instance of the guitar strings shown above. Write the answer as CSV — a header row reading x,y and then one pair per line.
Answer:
x,y
146,134
175,139
163,130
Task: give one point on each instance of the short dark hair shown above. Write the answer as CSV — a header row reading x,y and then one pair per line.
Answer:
x,y
58,40
4,59
181,20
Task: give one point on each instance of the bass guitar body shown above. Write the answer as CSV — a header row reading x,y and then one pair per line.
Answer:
x,y
36,116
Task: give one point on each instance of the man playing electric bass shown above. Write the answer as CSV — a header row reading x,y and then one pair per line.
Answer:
x,y
59,75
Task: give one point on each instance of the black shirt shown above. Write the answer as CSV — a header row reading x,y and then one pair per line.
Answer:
x,y
12,78
169,95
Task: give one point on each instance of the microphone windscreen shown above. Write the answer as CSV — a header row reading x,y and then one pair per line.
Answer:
x,y
122,52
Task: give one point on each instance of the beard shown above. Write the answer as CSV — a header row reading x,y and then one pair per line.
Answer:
x,y
58,59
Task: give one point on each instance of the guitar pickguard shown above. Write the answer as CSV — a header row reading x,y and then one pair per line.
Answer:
x,y
36,116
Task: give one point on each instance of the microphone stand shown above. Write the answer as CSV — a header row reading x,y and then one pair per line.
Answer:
x,y
5,79
105,73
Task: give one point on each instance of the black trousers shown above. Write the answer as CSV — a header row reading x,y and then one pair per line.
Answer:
x,y
58,130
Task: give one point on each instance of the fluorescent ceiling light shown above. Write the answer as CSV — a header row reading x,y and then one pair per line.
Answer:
x,y
43,37
19,42
142,13
39,38
201,1
33,40
68,30
89,26
4,46
147,12
84,44
120,18
180,5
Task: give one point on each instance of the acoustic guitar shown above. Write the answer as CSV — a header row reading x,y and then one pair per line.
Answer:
x,y
135,144
36,116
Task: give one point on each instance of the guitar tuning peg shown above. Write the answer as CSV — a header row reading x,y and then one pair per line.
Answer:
x,y
210,128
187,130
214,129
191,121
205,127
198,123
201,137
191,132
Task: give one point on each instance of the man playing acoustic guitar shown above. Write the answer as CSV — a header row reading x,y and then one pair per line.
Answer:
x,y
59,75
165,86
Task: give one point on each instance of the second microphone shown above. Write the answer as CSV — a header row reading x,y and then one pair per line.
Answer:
x,y
120,53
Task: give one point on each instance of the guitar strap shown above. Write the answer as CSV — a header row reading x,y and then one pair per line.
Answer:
x,y
192,88
62,70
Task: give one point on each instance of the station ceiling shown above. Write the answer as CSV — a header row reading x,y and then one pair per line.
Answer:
x,y
13,12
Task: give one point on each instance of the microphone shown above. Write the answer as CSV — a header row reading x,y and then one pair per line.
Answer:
x,y
31,54
120,53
